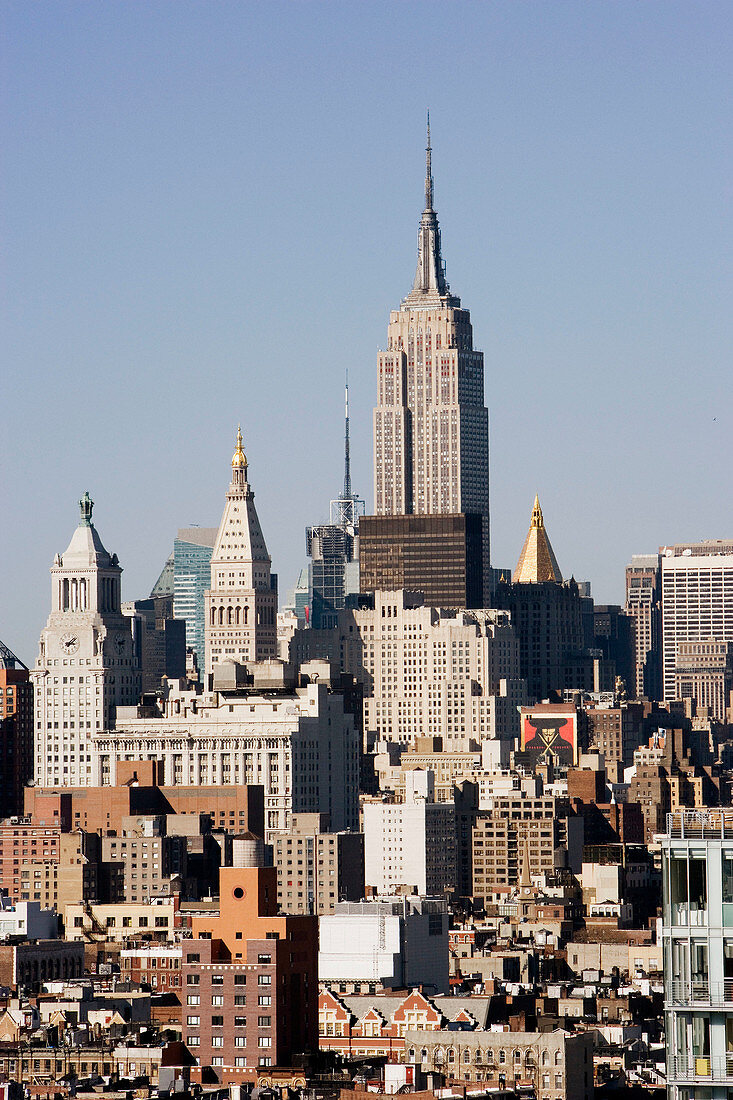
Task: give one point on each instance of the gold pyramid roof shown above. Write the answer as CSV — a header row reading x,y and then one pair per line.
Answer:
x,y
537,562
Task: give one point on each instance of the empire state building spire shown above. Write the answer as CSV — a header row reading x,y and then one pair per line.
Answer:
x,y
430,288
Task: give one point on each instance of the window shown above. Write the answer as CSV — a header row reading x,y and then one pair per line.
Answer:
x,y
240,1062
264,999
193,1040
240,1041
192,979
240,1021
217,1040
217,1060
264,958
217,1000
193,958
264,1041
161,922
193,999
264,979
193,1021
217,979
217,1021
264,1021
240,999
240,979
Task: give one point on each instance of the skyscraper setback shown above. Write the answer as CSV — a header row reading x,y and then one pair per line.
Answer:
x,y
431,441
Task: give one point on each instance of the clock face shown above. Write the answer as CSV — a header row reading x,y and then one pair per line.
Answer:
x,y
120,643
69,643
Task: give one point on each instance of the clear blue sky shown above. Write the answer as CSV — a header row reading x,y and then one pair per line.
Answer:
x,y
210,208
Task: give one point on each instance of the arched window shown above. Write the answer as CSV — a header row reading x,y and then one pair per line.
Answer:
x,y
82,595
502,1057
74,595
467,1055
545,1058
451,1055
230,616
213,616
221,616
558,1058
237,615
424,1054
246,614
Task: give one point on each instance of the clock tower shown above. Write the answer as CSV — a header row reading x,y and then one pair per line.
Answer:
x,y
87,665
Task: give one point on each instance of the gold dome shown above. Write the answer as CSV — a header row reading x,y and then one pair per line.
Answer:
x,y
239,459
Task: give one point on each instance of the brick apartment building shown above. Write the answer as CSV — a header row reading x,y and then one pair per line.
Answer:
x,y
250,981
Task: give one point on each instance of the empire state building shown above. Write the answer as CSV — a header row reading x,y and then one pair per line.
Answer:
x,y
431,436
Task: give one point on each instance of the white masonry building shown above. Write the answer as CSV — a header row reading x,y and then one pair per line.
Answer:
x,y
256,726
86,665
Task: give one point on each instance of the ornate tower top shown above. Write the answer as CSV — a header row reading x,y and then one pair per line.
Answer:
x,y
430,289
239,458
537,562
86,504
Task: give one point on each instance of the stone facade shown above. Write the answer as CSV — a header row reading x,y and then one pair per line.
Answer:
x,y
86,665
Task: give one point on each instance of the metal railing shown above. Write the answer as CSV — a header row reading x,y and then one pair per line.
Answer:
x,y
700,824
702,993
684,1068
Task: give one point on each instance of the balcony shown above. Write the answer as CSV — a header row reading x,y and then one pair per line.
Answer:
x,y
700,824
700,994
682,1068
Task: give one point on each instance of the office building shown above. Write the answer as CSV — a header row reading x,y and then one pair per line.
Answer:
x,y
704,672
410,846
385,943
426,671
440,556
431,440
250,979
517,828
697,606
159,640
256,727
16,730
315,867
333,547
241,604
192,550
644,606
697,933
86,664
553,620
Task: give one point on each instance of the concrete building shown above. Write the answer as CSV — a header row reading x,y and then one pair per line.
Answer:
x,y
315,867
431,440
519,834
155,919
256,727
241,604
86,664
192,550
16,730
147,858
697,932
27,920
387,943
250,980
426,671
704,672
410,845
697,607
644,606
